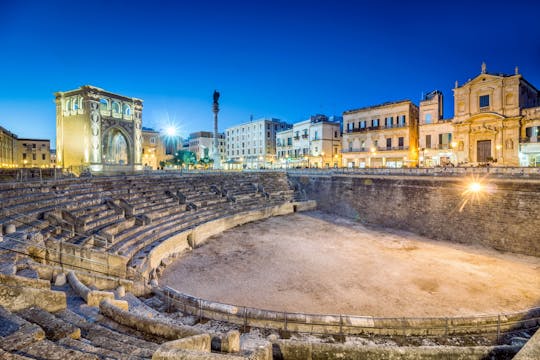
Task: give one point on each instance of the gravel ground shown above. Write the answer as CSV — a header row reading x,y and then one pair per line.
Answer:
x,y
318,263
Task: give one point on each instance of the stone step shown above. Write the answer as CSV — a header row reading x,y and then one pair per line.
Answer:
x,y
54,327
104,337
16,332
48,350
87,347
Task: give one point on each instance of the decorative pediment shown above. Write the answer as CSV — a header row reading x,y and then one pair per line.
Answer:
x,y
484,116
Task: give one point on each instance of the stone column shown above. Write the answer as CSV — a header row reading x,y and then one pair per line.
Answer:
x,y
217,158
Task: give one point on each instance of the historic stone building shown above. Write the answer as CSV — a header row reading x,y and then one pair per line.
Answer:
x,y
435,145
201,143
315,142
253,144
492,113
33,153
8,148
98,129
384,135
153,149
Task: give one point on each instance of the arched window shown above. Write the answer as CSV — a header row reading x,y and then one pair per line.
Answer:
x,y
75,104
68,105
103,104
126,110
115,107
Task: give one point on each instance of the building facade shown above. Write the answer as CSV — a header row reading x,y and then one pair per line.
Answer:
x,y
315,142
253,144
435,144
384,135
201,143
33,153
153,149
495,120
98,129
8,148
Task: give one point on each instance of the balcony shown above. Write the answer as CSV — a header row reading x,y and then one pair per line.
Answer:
x,y
443,146
304,136
529,139
296,137
393,148
394,126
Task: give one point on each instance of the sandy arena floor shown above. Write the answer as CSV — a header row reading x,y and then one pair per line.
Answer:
x,y
318,263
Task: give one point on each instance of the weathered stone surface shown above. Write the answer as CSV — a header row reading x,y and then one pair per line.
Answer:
x,y
531,350
60,279
121,290
16,298
54,327
230,343
146,325
16,280
296,350
46,349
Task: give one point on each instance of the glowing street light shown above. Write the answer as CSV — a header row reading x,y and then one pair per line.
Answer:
x,y
475,187
170,131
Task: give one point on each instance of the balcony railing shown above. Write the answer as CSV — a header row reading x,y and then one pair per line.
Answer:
x,y
373,128
297,137
380,148
304,136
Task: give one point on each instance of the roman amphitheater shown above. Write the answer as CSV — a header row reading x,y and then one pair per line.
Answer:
x,y
389,264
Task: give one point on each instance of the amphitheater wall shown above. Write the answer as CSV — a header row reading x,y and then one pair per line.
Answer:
x,y
296,350
504,216
76,257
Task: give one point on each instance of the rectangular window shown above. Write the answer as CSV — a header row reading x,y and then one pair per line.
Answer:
x,y
42,156
24,156
33,156
389,143
400,143
428,141
484,101
375,123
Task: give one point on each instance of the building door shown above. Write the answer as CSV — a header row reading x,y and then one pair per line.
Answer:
x,y
483,150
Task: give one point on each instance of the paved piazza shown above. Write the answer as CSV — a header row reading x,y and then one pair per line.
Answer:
x,y
319,263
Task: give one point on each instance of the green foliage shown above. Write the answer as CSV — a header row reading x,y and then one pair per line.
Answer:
x,y
183,158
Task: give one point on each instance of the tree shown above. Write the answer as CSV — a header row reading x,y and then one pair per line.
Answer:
x,y
183,158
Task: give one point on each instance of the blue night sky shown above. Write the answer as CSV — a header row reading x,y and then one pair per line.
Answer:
x,y
284,59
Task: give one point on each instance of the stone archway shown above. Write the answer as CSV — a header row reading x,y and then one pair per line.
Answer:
x,y
116,147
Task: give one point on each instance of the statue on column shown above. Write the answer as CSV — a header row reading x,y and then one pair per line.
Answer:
x,y
216,96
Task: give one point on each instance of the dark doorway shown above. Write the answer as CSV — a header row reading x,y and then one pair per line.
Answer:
x,y
483,150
